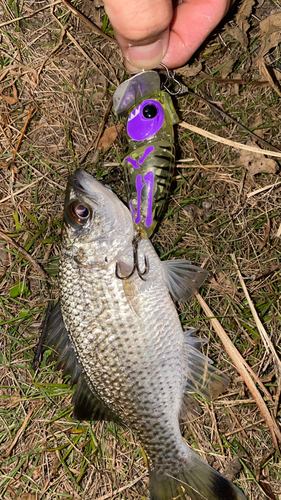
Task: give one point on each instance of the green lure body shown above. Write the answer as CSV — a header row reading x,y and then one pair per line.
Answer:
x,y
149,162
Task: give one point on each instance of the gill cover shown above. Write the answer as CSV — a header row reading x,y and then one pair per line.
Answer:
x,y
148,166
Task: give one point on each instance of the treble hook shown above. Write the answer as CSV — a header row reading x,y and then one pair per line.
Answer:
x,y
135,243
171,78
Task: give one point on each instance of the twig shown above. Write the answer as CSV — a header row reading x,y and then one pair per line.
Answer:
x,y
218,110
114,493
21,136
96,139
243,428
237,360
20,431
89,23
26,255
84,53
22,189
266,340
29,15
234,144
260,190
213,416
257,380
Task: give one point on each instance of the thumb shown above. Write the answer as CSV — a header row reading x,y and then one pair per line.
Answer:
x,y
142,30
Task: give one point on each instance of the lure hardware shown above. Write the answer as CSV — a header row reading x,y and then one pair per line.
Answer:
x,y
171,80
135,243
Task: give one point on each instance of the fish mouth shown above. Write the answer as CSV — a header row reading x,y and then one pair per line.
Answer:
x,y
83,182
86,184
74,180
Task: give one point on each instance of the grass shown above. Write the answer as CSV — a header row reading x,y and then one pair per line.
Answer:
x,y
44,452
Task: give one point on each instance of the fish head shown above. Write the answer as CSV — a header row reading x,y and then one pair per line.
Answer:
x,y
98,227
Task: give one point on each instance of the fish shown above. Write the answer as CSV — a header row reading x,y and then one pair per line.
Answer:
x,y
123,345
149,161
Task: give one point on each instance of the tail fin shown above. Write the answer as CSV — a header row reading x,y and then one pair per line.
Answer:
x,y
192,477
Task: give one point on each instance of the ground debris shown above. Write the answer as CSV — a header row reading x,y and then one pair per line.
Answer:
x,y
209,216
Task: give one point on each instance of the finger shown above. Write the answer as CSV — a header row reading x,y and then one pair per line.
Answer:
x,y
142,30
192,23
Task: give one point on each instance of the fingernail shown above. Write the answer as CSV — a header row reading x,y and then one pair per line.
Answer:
x,y
145,56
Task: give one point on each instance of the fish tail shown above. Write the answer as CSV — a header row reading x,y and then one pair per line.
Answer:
x,y
191,477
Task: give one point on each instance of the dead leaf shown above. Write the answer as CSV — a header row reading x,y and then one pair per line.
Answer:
x,y
227,68
240,32
4,164
259,121
267,489
270,29
192,211
232,469
28,496
266,235
257,163
265,72
242,15
236,33
189,71
98,96
37,472
109,136
11,99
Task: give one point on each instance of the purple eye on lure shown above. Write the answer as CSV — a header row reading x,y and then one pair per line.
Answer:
x,y
79,212
145,120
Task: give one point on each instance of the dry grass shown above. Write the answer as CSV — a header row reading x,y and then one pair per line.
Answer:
x,y
44,453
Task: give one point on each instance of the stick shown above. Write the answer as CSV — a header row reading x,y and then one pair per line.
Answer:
x,y
22,189
234,144
266,340
20,431
21,136
26,255
87,21
29,15
101,127
236,358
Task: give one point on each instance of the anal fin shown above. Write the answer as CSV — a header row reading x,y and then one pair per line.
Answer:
x,y
202,377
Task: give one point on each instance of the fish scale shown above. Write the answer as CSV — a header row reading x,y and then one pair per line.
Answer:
x,y
122,341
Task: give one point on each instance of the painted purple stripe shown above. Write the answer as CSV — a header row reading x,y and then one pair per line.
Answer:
x,y
133,162
139,186
147,151
149,180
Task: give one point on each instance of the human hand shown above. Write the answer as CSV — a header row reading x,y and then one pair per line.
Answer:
x,y
152,31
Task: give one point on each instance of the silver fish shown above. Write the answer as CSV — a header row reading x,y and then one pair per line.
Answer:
x,y
123,344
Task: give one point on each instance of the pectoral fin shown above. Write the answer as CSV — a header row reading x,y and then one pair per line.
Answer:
x,y
182,279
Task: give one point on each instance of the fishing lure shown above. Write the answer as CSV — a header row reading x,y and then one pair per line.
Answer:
x,y
149,163
148,166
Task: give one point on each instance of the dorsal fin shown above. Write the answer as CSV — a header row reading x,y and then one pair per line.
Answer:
x,y
86,404
182,279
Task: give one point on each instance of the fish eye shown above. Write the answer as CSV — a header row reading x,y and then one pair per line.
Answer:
x,y
80,212
149,111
